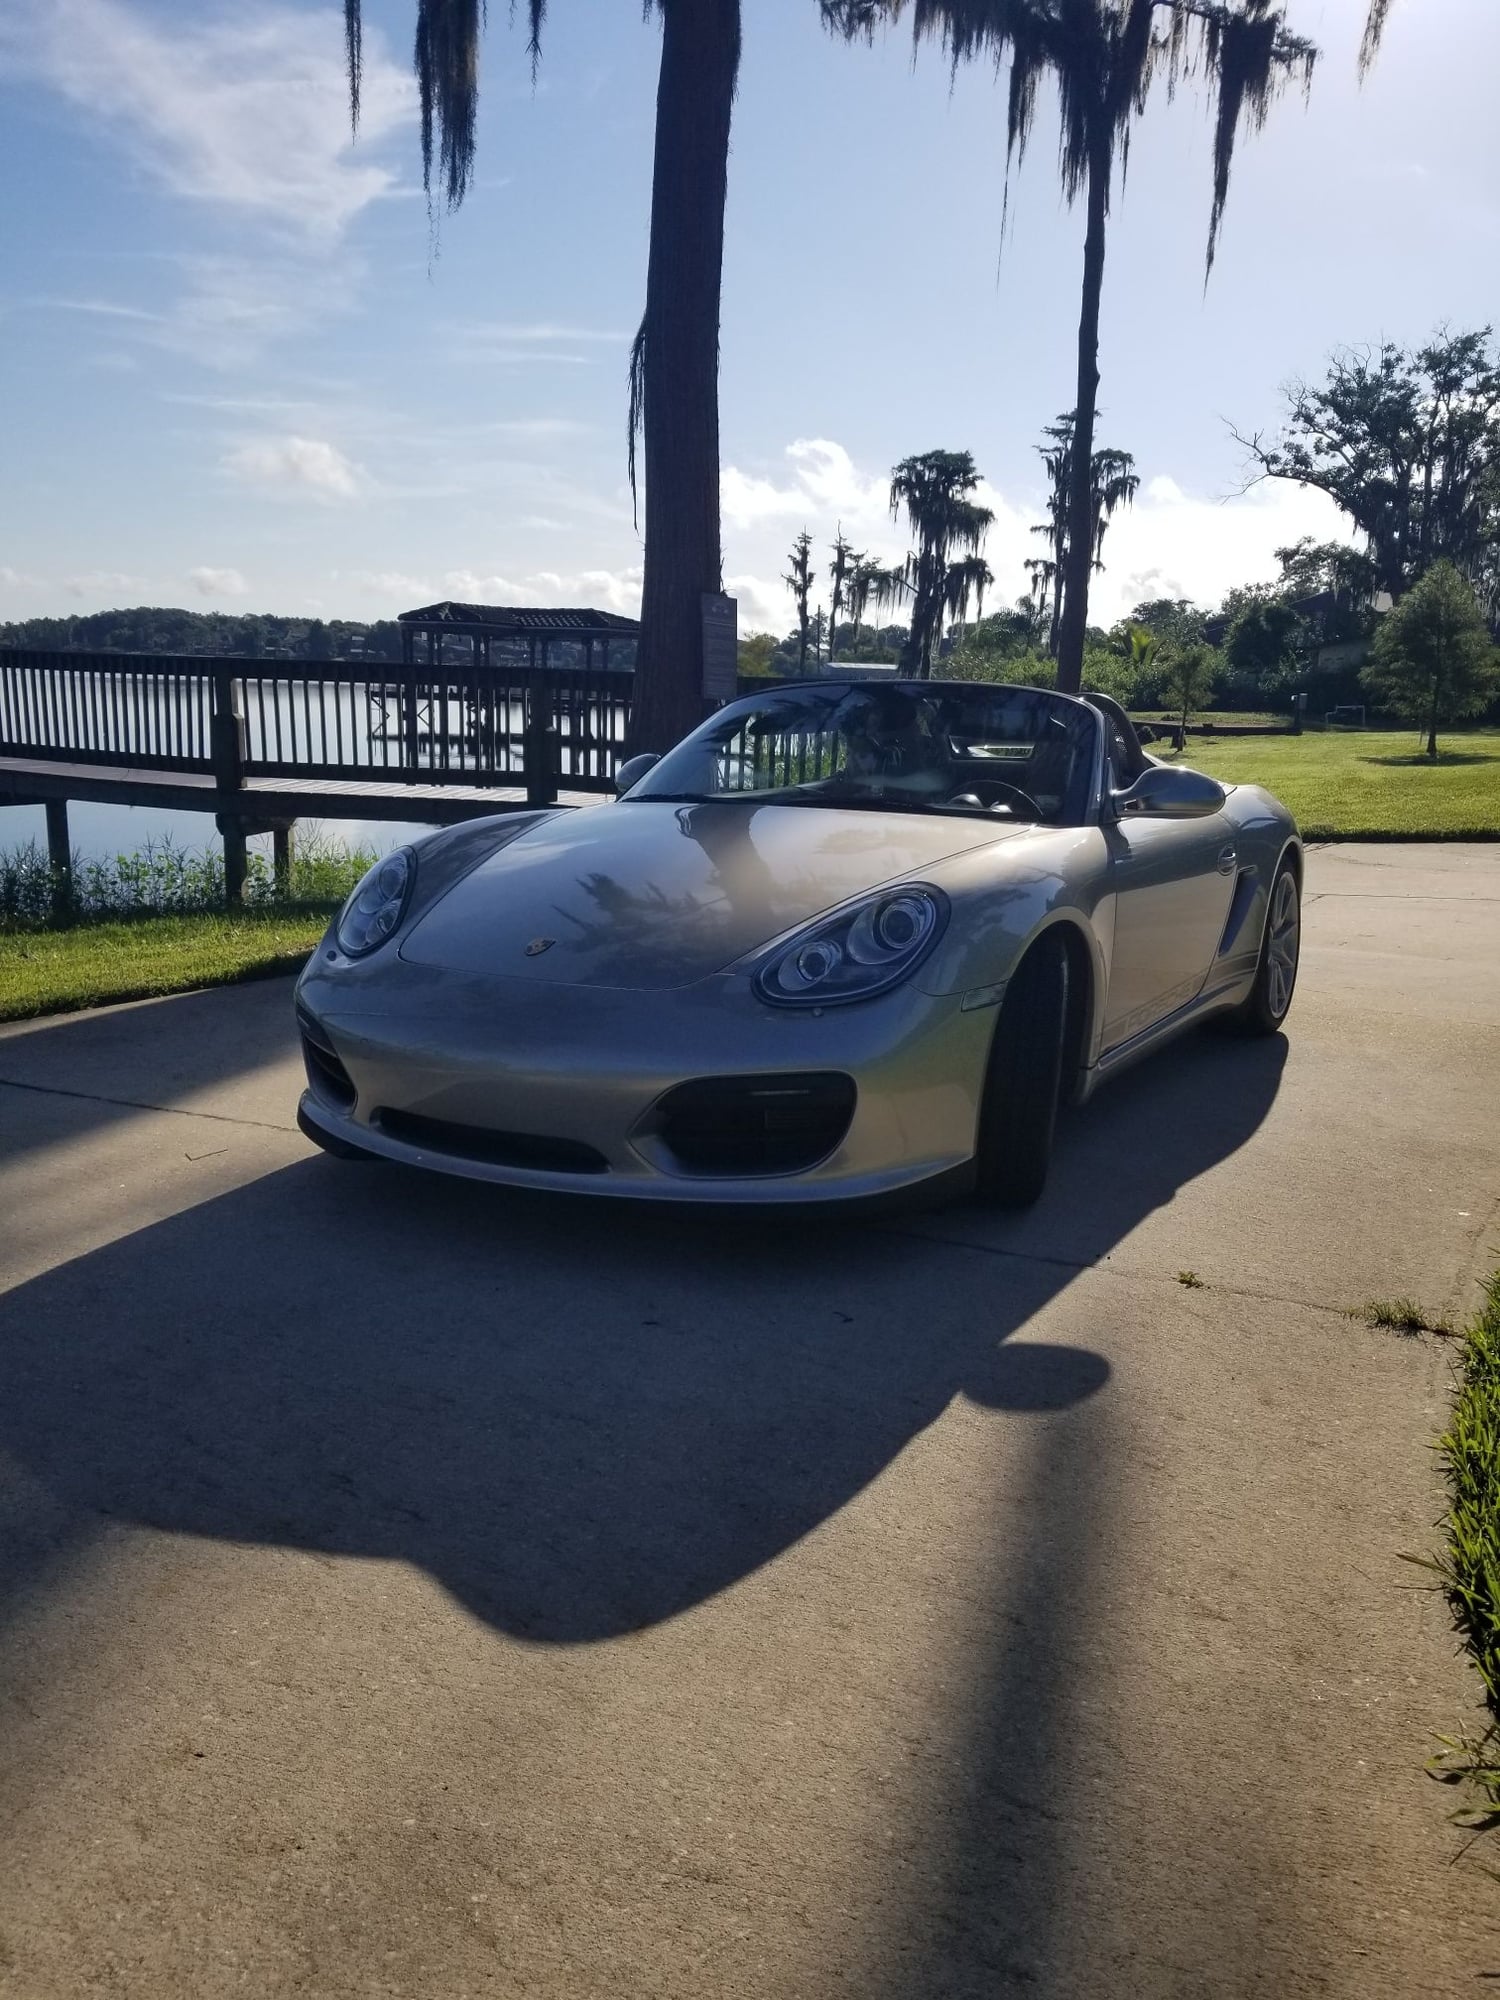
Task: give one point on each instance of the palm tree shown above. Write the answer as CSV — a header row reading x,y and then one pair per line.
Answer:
x,y
1113,483
798,580
1040,600
864,574
946,569
1104,56
1048,573
840,569
674,364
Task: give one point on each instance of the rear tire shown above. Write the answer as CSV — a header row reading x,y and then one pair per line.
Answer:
x,y
1023,1084
1270,998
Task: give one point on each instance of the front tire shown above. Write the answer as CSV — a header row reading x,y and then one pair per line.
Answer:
x,y
1270,998
1023,1083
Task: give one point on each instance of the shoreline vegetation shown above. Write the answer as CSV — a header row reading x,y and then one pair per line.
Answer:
x,y
154,922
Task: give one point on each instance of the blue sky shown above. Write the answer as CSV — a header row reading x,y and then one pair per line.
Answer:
x,y
234,376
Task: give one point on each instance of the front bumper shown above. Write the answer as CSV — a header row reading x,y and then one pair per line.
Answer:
x,y
574,1077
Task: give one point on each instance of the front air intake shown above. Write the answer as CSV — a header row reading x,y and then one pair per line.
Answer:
x,y
747,1125
326,1076
488,1148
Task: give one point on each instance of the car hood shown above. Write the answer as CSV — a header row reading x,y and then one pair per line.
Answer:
x,y
645,894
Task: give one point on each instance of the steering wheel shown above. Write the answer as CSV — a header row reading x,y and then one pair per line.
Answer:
x,y
983,794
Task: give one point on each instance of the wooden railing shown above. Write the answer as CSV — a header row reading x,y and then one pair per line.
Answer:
x,y
237,719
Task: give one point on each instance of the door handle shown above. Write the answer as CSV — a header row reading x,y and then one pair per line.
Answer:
x,y
1227,859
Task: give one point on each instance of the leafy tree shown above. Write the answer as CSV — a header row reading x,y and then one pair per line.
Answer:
x,y
1265,646
1191,672
1104,56
756,652
1434,661
319,643
1171,621
1332,569
674,371
799,580
999,648
946,569
1408,446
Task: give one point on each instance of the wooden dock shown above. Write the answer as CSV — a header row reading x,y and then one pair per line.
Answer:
x,y
261,744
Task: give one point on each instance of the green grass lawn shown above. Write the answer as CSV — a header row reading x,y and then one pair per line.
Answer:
x,y
1367,782
55,972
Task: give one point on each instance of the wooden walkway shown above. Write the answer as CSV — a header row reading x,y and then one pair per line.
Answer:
x,y
33,781
260,745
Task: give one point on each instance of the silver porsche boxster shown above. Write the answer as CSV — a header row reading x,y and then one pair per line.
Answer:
x,y
851,937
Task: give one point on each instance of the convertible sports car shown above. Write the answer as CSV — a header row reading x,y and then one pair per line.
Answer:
x,y
849,937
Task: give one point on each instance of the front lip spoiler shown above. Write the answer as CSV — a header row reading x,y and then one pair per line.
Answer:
x,y
870,1196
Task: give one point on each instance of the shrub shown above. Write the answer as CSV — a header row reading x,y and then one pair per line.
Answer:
x,y
163,879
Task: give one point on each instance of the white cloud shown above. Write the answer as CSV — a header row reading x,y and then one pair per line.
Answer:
x,y
304,467
469,587
412,590
542,333
609,590
217,582
765,605
222,309
99,583
98,308
246,110
1173,543
826,485
602,589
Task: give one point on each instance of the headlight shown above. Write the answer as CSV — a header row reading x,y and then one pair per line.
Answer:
x,y
861,951
377,905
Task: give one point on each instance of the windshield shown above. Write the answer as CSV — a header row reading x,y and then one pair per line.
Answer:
x,y
913,746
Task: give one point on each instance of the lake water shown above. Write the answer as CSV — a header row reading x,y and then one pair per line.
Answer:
x,y
101,832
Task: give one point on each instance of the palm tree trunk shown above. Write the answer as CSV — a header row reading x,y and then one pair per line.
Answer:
x,y
1075,604
700,56
1054,629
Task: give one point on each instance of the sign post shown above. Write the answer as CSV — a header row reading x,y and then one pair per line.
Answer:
x,y
721,653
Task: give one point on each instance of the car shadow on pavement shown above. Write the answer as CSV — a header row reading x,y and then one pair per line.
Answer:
x,y
581,1418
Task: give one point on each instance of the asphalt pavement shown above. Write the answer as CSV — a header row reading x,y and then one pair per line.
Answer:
x,y
413,1588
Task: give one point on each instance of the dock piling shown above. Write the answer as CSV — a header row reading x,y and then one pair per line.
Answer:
x,y
60,858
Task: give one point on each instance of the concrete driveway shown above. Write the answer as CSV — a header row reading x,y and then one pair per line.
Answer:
x,y
411,1589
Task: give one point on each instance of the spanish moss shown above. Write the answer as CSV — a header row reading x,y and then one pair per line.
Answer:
x,y
1369,47
635,414
354,38
445,57
1104,56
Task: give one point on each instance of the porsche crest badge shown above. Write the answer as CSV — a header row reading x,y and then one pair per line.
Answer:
x,y
538,946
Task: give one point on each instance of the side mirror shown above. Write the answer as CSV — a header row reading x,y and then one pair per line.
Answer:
x,y
1169,791
1144,733
633,770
